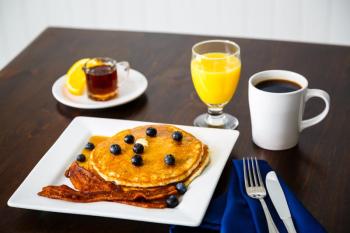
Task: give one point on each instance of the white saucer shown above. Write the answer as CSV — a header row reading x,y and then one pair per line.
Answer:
x,y
129,89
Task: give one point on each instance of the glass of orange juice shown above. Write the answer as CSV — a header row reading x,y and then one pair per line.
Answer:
x,y
215,69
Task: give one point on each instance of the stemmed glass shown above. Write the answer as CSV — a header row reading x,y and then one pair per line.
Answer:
x,y
215,69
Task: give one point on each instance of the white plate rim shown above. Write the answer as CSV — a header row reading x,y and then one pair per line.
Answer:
x,y
182,218
59,84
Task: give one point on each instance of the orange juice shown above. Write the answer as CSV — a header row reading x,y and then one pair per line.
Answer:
x,y
215,77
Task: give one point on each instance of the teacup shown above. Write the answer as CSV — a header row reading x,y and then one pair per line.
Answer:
x,y
102,77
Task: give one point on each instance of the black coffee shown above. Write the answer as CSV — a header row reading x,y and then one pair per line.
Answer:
x,y
278,86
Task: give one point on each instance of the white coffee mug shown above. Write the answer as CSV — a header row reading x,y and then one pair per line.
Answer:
x,y
277,117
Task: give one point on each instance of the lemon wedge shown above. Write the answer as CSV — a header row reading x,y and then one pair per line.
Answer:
x,y
75,81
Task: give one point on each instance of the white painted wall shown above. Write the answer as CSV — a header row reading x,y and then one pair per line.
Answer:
x,y
321,21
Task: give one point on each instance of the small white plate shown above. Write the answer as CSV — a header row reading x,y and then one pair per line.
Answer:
x,y
50,171
129,89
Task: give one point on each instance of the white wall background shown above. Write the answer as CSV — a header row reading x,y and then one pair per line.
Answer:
x,y
321,21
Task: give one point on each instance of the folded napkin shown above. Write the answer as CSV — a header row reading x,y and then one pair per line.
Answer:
x,y
236,212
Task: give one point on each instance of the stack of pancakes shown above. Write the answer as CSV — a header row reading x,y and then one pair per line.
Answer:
x,y
107,177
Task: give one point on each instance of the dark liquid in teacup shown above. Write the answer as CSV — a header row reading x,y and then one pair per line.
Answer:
x,y
278,86
102,82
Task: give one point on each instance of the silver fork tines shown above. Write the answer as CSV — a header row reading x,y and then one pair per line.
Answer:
x,y
255,188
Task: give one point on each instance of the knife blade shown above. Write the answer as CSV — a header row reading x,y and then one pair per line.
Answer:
x,y
278,199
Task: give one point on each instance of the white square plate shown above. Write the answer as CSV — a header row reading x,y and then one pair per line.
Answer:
x,y
50,171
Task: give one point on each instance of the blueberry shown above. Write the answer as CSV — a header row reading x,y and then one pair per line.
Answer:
x,y
89,146
115,149
181,188
172,201
152,132
138,148
177,136
81,158
169,159
136,160
129,139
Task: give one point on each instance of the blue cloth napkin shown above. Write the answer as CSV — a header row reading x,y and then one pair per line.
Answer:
x,y
236,212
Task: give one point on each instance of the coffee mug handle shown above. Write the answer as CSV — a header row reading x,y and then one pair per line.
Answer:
x,y
310,93
126,69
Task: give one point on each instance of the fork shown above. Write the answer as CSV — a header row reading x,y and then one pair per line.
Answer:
x,y
255,188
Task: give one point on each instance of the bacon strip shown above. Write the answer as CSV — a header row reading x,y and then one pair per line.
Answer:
x,y
63,192
151,204
84,180
91,188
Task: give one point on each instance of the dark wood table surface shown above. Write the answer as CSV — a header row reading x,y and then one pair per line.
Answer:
x,y
317,170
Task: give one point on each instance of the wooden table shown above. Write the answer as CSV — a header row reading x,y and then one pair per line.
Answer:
x,y
317,170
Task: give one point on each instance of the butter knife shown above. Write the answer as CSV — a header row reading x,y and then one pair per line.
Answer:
x,y
279,200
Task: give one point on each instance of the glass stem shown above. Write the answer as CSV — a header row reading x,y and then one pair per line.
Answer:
x,y
215,116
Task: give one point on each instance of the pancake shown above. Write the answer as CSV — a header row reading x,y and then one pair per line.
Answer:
x,y
199,169
188,154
